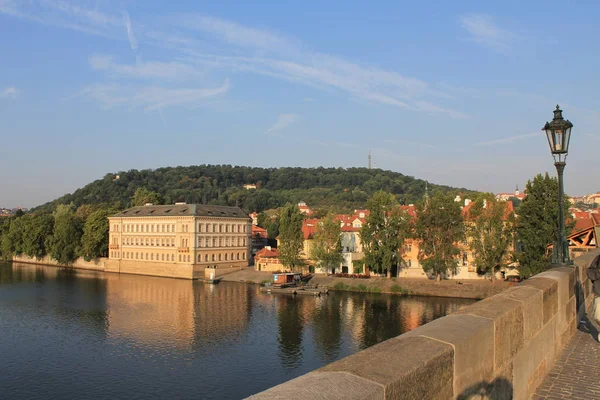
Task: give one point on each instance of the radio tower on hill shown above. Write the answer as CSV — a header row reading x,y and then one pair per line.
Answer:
x,y
369,159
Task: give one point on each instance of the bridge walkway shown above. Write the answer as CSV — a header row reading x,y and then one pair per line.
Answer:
x,y
576,374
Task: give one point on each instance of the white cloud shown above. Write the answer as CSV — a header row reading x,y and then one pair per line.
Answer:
x,y
484,32
9,92
217,44
130,36
283,121
144,70
509,139
234,33
151,97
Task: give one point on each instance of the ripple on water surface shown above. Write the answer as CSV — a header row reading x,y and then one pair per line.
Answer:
x,y
66,334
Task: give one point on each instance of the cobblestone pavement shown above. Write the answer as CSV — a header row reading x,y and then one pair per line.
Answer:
x,y
576,375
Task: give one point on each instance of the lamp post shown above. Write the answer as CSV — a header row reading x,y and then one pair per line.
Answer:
x,y
558,133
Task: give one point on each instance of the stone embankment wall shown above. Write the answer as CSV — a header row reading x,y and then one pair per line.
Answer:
x,y
80,263
168,270
498,348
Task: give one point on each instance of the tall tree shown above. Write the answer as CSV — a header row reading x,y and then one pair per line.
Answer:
x,y
384,233
490,232
327,247
291,239
537,225
144,196
64,244
439,229
95,234
36,231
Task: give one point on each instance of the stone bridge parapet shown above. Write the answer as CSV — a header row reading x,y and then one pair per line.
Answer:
x,y
498,348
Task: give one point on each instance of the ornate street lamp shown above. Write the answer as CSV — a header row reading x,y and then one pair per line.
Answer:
x,y
559,134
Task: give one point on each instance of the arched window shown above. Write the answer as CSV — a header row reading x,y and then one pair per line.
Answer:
x,y
199,257
213,257
152,256
219,257
225,256
231,256
243,256
206,258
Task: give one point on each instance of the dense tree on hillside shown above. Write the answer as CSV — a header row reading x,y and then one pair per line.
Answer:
x,y
12,238
345,189
64,244
4,227
490,232
439,228
384,233
291,239
327,246
144,196
36,231
94,242
537,224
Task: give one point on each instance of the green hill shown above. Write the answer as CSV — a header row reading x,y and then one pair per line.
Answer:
x,y
341,189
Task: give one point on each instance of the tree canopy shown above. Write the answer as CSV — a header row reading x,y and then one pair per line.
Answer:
x,y
490,232
327,246
290,237
340,189
386,228
439,229
537,225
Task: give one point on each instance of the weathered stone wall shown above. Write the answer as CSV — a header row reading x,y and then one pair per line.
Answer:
x,y
498,348
164,269
80,263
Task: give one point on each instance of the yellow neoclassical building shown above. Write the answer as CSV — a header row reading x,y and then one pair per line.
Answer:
x,y
178,240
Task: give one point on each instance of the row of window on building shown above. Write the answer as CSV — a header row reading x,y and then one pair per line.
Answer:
x,y
130,255
208,241
170,228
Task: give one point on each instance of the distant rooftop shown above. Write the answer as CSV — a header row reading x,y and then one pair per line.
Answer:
x,y
200,210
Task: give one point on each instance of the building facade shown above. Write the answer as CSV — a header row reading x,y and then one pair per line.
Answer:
x,y
178,240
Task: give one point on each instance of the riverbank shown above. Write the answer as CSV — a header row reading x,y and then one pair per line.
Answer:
x,y
464,289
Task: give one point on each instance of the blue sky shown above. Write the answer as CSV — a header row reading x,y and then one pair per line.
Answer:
x,y
452,92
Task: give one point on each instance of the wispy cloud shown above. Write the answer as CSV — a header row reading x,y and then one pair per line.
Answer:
x,y
484,32
206,43
9,92
283,121
144,70
508,139
130,36
153,97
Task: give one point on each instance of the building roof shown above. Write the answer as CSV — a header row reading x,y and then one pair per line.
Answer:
x,y
183,210
267,253
258,232
309,227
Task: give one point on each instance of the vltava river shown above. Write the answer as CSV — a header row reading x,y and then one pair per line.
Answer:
x,y
84,335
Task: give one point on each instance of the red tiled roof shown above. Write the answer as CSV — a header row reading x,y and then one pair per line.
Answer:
x,y
266,253
580,214
259,232
309,227
582,224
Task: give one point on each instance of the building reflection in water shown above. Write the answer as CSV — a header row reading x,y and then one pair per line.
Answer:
x,y
160,312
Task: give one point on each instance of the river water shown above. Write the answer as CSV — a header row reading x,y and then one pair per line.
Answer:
x,y
89,335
